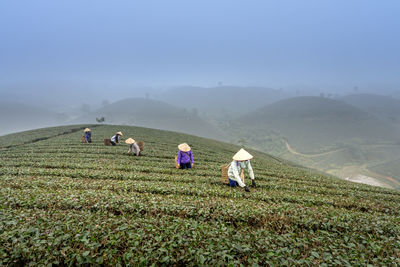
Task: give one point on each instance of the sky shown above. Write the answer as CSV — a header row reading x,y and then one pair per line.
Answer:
x,y
106,47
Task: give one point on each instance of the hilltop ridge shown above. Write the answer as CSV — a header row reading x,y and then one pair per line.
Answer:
x,y
153,114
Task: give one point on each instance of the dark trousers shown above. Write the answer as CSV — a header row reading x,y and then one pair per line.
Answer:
x,y
186,165
233,183
113,143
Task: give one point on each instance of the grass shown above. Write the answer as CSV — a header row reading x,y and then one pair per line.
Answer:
x,y
67,203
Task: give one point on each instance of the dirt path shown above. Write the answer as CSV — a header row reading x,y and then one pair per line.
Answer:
x,y
364,179
294,152
361,174
381,176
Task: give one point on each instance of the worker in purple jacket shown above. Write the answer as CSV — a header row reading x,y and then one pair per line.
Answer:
x,y
185,157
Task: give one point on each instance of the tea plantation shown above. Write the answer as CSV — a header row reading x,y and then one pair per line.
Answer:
x,y
67,203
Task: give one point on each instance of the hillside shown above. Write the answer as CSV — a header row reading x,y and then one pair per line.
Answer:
x,y
153,114
327,135
223,101
67,203
384,107
16,117
311,123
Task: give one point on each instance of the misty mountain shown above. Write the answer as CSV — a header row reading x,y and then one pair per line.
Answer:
x,y
16,117
152,114
312,123
223,101
384,107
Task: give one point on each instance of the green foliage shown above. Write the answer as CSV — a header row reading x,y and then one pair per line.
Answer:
x,y
67,203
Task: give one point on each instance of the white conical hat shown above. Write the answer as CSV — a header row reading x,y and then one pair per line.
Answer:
x,y
87,130
184,147
242,155
120,133
129,141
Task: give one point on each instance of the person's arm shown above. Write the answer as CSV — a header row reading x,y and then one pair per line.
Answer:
x,y
178,159
236,174
191,157
250,170
137,149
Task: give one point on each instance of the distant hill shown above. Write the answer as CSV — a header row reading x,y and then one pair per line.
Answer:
x,y
223,101
16,117
325,134
309,123
153,114
384,107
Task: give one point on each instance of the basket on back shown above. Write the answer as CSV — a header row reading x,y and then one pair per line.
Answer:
x,y
107,142
224,174
140,145
176,164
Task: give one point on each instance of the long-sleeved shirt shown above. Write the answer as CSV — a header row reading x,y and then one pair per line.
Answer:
x,y
88,136
184,157
236,167
115,138
134,149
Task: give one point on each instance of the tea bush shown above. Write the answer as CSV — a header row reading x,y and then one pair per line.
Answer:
x,y
67,203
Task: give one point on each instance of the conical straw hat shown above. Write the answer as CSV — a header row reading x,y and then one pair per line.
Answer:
x,y
242,155
129,141
184,147
120,133
87,130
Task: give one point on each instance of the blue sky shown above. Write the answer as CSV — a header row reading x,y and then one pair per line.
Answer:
x,y
104,44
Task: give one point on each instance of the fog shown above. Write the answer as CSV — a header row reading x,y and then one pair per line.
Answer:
x,y
86,51
70,57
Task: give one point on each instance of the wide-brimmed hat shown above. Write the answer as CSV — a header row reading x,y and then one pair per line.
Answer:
x,y
86,130
242,155
120,133
129,141
184,147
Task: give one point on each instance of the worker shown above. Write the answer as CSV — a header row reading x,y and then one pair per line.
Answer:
x,y
115,139
185,157
241,161
134,148
88,135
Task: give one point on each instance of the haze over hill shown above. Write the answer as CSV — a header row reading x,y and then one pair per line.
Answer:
x,y
309,123
325,134
223,101
384,107
16,117
153,114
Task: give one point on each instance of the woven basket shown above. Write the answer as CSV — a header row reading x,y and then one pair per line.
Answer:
x,y
176,164
83,139
107,142
224,174
140,145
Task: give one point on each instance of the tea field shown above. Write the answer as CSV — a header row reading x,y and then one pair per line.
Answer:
x,y
67,203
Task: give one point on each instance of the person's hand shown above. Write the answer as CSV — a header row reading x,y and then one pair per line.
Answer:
x,y
192,165
246,189
178,166
253,183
